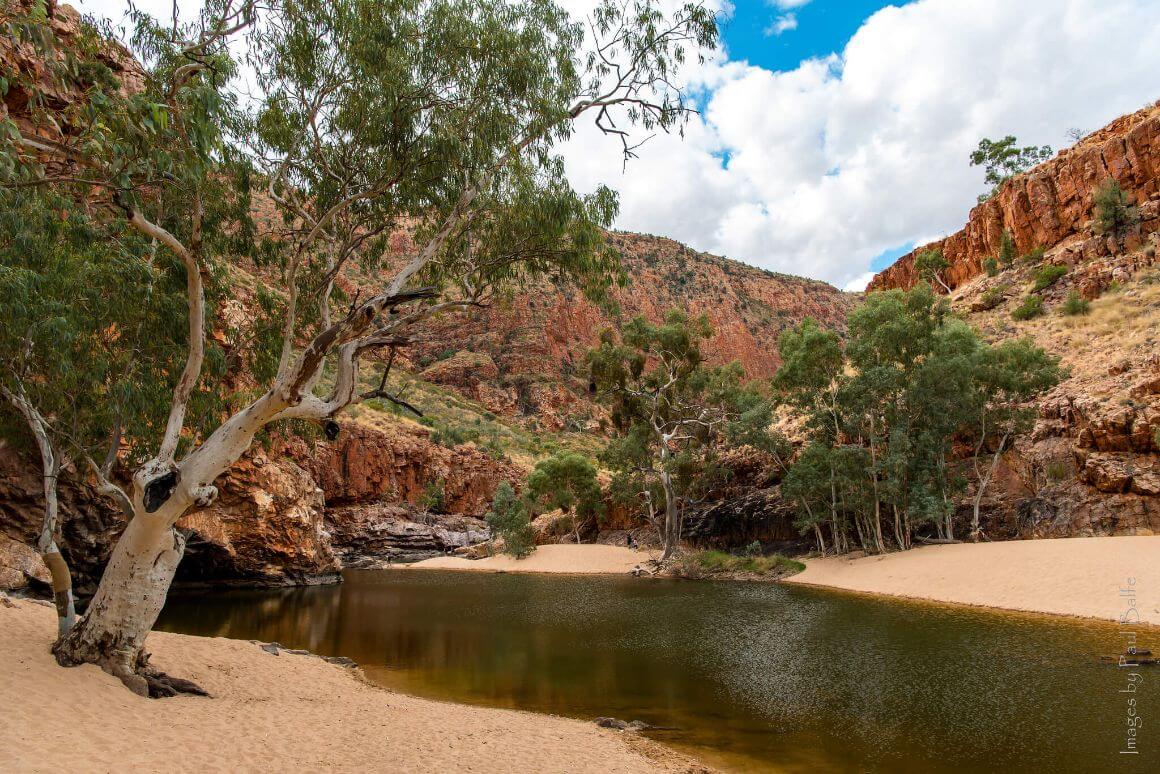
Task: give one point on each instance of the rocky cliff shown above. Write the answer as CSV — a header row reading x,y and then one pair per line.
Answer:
x,y
1091,466
1052,203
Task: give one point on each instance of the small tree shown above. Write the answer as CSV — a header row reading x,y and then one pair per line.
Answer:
x,y
1003,159
508,519
567,481
1114,212
669,407
930,265
991,266
1007,251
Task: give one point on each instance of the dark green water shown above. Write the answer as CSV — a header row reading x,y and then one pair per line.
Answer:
x,y
748,676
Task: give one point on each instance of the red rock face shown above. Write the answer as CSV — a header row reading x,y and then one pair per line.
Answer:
x,y
1051,202
396,464
536,340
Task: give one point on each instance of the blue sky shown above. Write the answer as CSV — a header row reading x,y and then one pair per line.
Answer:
x,y
808,30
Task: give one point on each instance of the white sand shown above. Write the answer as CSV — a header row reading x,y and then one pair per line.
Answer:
x,y
272,714
585,559
1072,576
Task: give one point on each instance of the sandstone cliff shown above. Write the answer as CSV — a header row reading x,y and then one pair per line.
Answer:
x,y
1052,202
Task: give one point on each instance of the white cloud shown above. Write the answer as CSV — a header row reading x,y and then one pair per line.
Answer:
x,y
783,23
841,158
859,283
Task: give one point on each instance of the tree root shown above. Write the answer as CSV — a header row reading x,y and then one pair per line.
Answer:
x,y
162,686
134,671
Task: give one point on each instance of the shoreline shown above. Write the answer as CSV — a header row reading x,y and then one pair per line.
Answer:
x,y
273,712
1066,577
548,559
1069,577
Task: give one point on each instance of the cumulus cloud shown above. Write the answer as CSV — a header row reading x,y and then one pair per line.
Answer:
x,y
817,170
783,23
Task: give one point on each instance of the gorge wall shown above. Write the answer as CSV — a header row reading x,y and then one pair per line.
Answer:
x,y
1052,202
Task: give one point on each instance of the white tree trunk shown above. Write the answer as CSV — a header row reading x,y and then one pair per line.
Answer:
x,y
130,597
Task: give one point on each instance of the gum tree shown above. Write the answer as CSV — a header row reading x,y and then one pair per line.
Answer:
x,y
437,117
1004,159
669,407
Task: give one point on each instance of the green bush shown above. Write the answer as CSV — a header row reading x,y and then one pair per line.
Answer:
x,y
1114,213
992,297
1032,306
704,564
991,266
1075,304
1048,276
1006,249
1057,471
433,498
508,519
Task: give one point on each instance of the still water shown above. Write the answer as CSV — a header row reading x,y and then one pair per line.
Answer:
x,y
753,677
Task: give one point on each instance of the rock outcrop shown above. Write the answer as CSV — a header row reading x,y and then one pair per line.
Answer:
x,y
1053,202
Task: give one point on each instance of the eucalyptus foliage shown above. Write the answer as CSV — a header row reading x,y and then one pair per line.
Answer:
x,y
884,410
672,413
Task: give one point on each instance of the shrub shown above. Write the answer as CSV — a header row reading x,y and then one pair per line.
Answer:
x,y
1114,213
1057,471
1032,306
753,549
992,297
991,266
1033,257
1048,276
1075,304
1006,249
433,497
508,519
705,564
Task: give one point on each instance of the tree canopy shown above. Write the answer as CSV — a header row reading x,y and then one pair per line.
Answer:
x,y
1003,159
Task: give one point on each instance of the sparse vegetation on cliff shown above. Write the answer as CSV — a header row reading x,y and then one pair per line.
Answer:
x,y
1114,211
1029,308
1003,159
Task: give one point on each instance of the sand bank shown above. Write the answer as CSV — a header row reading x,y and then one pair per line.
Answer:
x,y
1072,576
586,559
270,713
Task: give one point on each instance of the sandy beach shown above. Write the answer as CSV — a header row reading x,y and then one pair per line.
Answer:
x,y
270,713
587,559
1070,576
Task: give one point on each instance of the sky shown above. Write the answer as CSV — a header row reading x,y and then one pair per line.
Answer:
x,y
834,135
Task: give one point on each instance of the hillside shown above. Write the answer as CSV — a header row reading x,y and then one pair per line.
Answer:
x,y
1091,466
524,356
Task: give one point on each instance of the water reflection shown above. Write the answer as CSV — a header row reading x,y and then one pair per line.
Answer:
x,y
762,676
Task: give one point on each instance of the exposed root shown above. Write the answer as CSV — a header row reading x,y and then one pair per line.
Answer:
x,y
133,670
161,685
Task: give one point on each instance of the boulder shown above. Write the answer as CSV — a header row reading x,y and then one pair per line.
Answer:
x,y
20,565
